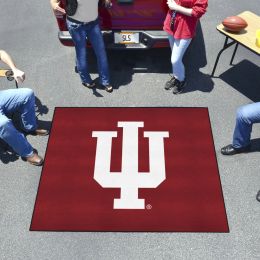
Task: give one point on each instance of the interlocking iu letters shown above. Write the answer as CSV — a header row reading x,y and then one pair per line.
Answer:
x,y
129,180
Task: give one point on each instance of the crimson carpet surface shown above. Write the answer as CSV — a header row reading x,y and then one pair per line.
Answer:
x,y
175,176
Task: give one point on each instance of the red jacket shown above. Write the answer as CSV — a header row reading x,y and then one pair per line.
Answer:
x,y
185,26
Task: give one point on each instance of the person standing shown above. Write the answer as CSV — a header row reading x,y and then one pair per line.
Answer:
x,y
19,102
83,24
180,24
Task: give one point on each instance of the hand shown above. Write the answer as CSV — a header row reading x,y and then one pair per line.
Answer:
x,y
18,75
57,9
172,5
108,3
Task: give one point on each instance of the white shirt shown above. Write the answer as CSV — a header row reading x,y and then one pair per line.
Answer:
x,y
87,11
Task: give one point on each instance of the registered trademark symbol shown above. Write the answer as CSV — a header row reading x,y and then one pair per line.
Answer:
x,y
149,206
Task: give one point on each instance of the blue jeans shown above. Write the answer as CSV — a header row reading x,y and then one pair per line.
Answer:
x,y
80,33
17,102
179,47
246,116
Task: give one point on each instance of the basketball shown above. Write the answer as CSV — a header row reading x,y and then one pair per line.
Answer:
x,y
234,23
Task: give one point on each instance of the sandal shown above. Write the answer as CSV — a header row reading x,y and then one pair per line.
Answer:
x,y
109,88
89,85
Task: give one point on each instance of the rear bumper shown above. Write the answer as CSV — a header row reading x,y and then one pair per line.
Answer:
x,y
148,40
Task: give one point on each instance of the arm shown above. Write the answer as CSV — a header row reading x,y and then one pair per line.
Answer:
x,y
180,9
55,5
105,3
19,75
199,8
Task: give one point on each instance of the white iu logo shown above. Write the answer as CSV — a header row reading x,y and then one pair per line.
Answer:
x,y
129,179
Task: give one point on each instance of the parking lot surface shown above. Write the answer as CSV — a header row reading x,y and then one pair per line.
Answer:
x,y
28,31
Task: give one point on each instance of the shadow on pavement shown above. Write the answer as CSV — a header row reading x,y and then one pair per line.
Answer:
x,y
40,109
6,154
255,145
194,59
244,77
94,90
124,63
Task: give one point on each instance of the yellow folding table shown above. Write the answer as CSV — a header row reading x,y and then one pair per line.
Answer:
x,y
246,37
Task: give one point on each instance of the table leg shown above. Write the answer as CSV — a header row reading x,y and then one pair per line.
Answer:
x,y
234,53
226,45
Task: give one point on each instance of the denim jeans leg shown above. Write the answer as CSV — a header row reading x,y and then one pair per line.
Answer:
x,y
13,137
27,112
246,116
78,34
21,102
96,38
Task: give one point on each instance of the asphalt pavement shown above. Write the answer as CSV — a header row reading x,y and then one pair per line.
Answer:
x,y
28,31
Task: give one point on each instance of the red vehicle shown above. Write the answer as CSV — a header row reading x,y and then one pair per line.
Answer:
x,y
134,24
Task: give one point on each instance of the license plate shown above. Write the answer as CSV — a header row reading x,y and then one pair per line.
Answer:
x,y
126,37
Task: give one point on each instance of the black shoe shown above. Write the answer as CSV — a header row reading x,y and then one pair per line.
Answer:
x,y
170,84
89,85
258,196
230,150
178,86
